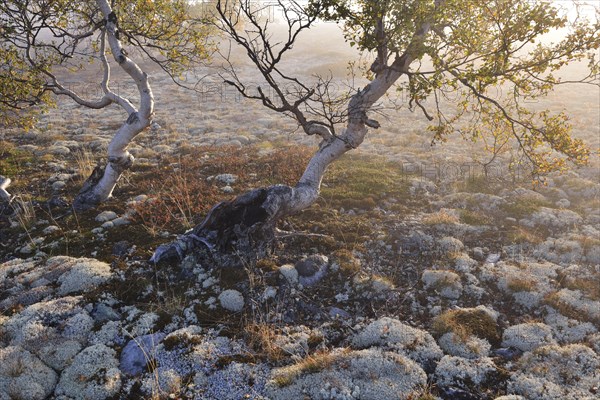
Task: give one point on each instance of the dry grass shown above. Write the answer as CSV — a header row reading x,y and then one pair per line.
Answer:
x,y
24,211
519,234
84,164
180,191
467,322
311,364
440,217
521,285
260,337
349,265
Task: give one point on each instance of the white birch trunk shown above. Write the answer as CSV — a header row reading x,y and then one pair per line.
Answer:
x,y
241,231
100,185
4,184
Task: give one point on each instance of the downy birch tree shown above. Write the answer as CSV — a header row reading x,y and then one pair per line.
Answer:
x,y
430,49
43,43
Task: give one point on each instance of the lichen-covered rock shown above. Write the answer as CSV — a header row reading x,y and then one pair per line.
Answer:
x,y
553,219
446,283
296,340
527,337
474,201
450,245
161,383
393,335
30,281
231,300
24,376
567,330
59,353
370,374
560,250
469,347
93,375
236,381
462,372
571,372
33,327
83,275
575,304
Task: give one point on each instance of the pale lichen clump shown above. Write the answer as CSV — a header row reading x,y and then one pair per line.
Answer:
x,y
94,375
527,337
83,275
574,304
231,300
464,372
364,374
446,283
24,376
289,273
391,334
570,372
470,347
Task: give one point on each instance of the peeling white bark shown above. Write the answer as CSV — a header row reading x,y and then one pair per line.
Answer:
x,y
4,184
307,190
99,189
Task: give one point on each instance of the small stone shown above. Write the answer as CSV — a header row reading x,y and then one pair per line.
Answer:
x,y
492,258
338,313
289,273
108,225
227,189
312,269
104,313
478,254
50,229
58,185
106,216
121,221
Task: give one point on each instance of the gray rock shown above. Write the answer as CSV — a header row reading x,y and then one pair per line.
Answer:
x,y
106,216
138,352
104,313
50,229
312,269
58,185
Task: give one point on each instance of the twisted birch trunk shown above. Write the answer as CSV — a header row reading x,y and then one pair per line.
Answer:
x,y
100,185
242,230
